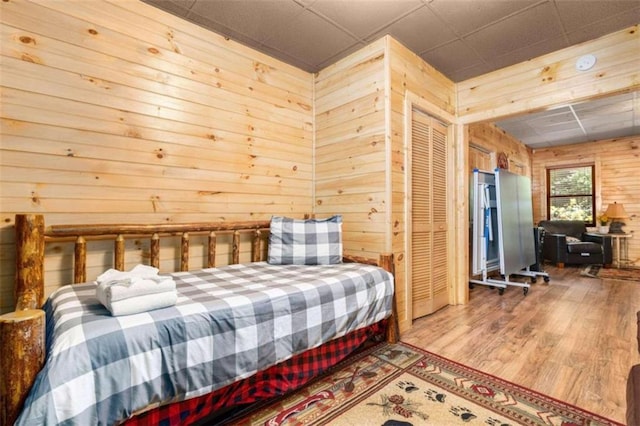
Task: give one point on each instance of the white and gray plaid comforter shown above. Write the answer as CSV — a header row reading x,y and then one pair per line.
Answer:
x,y
228,323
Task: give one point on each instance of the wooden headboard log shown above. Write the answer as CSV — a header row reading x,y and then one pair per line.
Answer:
x,y
22,332
30,236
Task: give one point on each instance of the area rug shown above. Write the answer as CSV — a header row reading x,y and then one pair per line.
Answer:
x,y
401,385
596,271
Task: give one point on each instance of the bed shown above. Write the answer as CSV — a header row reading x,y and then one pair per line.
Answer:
x,y
238,333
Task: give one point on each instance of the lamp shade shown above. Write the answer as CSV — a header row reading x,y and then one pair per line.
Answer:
x,y
616,211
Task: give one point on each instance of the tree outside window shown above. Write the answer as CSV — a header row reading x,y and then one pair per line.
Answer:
x,y
571,194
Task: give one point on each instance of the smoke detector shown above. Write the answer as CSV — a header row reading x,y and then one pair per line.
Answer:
x,y
585,62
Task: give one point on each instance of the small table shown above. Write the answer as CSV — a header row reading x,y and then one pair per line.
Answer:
x,y
620,248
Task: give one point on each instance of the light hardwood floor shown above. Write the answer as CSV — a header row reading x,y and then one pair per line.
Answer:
x,y
573,339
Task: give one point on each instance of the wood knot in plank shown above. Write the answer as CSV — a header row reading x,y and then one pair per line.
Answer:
x,y
92,31
260,70
27,40
171,40
31,58
155,199
153,50
133,133
99,83
548,73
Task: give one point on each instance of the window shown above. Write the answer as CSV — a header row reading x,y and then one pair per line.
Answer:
x,y
571,193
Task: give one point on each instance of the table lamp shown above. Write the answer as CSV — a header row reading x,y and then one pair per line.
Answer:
x,y
616,211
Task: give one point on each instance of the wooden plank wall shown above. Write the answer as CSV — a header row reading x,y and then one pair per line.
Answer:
x,y
408,73
115,111
617,162
552,79
350,170
360,146
495,140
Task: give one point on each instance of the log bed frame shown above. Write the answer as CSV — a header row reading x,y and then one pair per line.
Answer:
x,y
22,332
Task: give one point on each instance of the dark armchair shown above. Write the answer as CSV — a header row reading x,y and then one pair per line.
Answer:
x,y
567,241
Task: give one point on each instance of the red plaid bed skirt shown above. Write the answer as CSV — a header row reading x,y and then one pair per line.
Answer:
x,y
274,381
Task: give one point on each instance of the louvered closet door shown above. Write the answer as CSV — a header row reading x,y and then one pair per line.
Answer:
x,y
429,263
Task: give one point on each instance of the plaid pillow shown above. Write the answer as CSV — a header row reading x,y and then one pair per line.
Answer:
x,y
305,242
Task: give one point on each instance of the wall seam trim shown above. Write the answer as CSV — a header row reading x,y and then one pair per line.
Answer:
x,y
313,143
388,243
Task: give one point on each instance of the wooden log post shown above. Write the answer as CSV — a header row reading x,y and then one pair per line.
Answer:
x,y
80,260
184,252
211,250
235,255
154,248
30,259
22,332
393,329
118,254
21,358
255,246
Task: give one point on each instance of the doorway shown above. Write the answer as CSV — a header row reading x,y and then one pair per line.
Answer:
x,y
428,213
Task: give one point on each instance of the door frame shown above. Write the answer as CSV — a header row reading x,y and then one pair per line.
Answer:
x,y
413,101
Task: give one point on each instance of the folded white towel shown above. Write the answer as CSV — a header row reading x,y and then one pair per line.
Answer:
x,y
112,291
114,285
138,271
137,304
